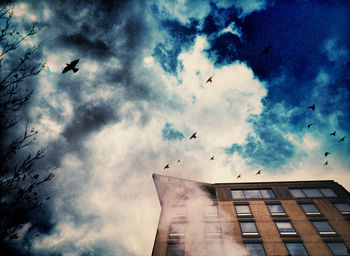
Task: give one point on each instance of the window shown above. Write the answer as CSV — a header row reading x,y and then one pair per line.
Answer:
x,y
177,249
286,228
323,227
276,210
344,208
254,249
211,211
312,192
179,212
212,229
249,229
296,249
243,210
338,248
177,229
253,194
310,209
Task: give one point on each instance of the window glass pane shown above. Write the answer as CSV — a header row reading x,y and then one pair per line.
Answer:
x,y
175,250
237,194
243,209
322,226
255,249
312,192
177,229
267,193
338,248
343,207
252,194
275,208
285,226
296,192
328,192
212,228
309,208
248,227
296,249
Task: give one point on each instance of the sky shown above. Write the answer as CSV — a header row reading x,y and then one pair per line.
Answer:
x,y
141,92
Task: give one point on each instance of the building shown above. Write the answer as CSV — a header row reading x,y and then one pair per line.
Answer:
x,y
265,218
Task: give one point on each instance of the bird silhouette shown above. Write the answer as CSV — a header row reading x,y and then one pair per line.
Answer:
x,y
342,139
312,107
209,80
194,136
326,153
332,134
178,161
326,163
258,172
309,125
212,158
166,167
71,66
239,175
266,50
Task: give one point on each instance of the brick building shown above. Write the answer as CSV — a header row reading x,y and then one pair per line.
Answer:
x,y
265,218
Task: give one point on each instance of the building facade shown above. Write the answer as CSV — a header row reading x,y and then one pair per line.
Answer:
x,y
265,218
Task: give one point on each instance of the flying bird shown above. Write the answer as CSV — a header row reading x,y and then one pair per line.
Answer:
x,y
332,134
342,139
326,163
194,136
266,50
212,158
71,66
166,167
209,80
239,175
309,125
326,153
312,107
178,161
259,172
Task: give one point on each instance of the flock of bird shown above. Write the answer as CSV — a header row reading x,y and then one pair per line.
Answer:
x,y
312,107
72,66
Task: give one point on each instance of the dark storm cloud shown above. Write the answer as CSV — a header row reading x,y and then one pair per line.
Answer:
x,y
95,48
88,118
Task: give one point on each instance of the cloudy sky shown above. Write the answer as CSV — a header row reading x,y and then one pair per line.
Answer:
x,y
140,93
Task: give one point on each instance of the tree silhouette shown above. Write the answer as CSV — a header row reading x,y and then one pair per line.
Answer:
x,y
19,177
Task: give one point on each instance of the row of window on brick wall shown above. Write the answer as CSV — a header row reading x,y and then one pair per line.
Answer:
x,y
295,192
256,248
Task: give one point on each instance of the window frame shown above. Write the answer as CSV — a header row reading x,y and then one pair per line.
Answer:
x,y
324,233
276,214
345,213
319,190
249,234
294,242
327,242
286,233
254,242
243,215
176,244
208,214
254,198
310,214
177,235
